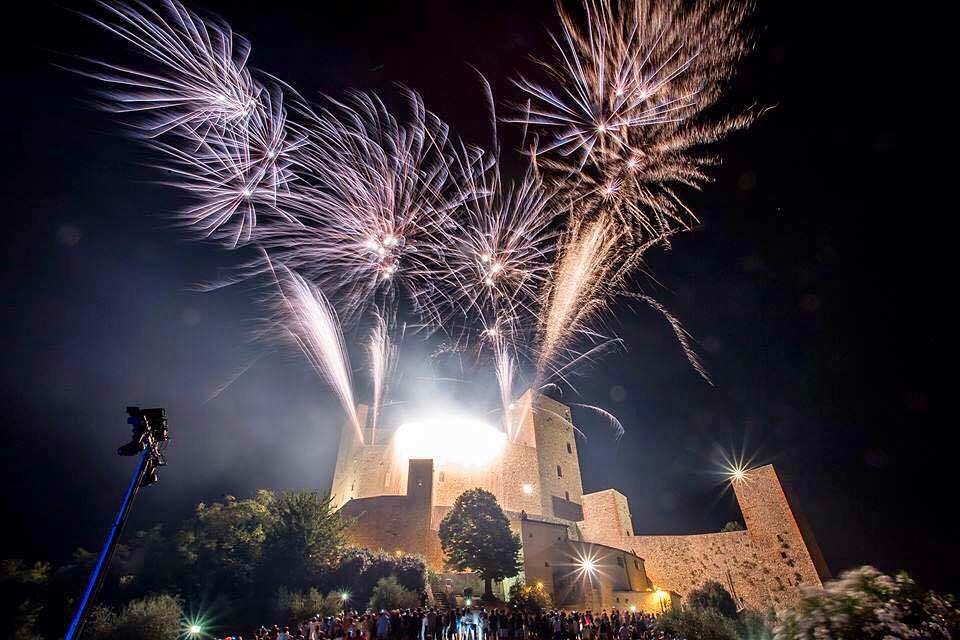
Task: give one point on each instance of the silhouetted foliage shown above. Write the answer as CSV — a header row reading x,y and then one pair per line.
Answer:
x,y
712,595
361,569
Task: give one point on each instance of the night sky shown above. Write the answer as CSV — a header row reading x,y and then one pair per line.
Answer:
x,y
808,288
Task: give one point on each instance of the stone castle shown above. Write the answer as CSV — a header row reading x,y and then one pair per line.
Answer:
x,y
581,547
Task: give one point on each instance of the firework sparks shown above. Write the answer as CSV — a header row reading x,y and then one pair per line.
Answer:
x,y
382,353
373,202
504,368
224,136
368,203
586,271
496,262
312,323
627,104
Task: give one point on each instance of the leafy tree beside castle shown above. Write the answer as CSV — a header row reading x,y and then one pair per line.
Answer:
x,y
476,535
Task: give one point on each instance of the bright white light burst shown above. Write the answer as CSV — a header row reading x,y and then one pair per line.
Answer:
x,y
450,440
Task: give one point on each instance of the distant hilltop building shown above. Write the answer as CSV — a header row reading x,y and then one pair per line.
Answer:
x,y
398,484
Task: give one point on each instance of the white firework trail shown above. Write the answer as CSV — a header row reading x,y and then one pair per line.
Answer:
x,y
312,322
382,354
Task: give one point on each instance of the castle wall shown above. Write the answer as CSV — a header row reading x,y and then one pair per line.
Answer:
x,y
398,523
344,484
763,566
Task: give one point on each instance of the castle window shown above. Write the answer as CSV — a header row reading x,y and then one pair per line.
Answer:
x,y
569,448
567,494
531,534
559,472
546,564
619,561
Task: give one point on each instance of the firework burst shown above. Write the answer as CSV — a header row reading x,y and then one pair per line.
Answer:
x,y
373,205
627,104
374,201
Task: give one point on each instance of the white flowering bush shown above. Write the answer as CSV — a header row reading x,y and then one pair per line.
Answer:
x,y
865,604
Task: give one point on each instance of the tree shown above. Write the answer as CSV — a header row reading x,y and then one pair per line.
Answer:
x,y
733,525
221,547
388,594
304,539
476,535
530,598
869,605
712,595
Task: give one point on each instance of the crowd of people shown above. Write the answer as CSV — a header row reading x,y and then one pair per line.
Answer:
x,y
473,623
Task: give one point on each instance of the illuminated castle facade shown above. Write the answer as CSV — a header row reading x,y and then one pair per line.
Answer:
x,y
398,485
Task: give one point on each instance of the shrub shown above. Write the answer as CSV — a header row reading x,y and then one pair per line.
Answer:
x,y
530,598
362,569
157,617
295,606
869,605
388,594
692,622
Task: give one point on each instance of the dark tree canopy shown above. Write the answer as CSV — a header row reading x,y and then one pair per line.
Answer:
x,y
712,595
305,536
476,535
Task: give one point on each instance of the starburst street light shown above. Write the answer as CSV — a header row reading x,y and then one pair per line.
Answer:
x,y
195,627
588,565
735,467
